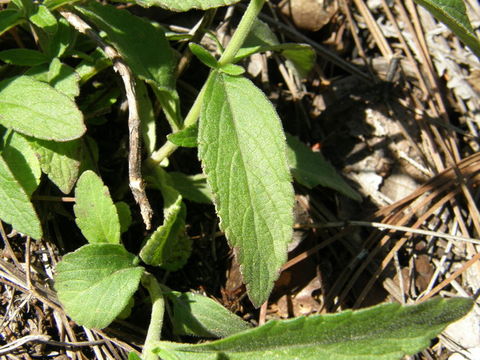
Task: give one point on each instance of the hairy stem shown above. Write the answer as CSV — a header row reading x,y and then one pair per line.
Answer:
x,y
156,320
241,32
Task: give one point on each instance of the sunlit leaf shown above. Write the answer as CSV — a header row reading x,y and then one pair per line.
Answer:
x,y
184,5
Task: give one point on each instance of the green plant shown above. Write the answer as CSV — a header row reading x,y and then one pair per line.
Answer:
x,y
247,162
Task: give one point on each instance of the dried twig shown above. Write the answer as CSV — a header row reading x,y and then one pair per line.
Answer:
x,y
137,185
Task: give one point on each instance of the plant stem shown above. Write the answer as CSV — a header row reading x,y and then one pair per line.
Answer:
x,y
156,320
241,32
168,148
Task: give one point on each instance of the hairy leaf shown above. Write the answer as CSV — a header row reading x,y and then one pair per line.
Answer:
x,y
143,45
44,19
242,147
63,78
203,55
36,109
186,137
96,215
124,215
311,169
384,332
60,161
16,208
454,14
195,314
96,282
21,159
185,5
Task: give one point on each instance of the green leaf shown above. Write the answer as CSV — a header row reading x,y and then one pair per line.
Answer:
x,y
133,356
384,332
96,215
232,69
53,4
454,14
311,169
36,109
23,163
16,208
8,19
185,5
142,45
169,247
63,78
192,187
302,56
195,314
44,19
203,55
147,117
23,57
96,282
60,161
186,137
124,215
242,147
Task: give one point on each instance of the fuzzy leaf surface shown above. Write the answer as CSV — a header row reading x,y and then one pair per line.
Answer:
x,y
23,162
453,13
186,137
36,109
384,332
312,169
60,161
16,208
185,5
95,213
195,314
96,282
142,45
242,148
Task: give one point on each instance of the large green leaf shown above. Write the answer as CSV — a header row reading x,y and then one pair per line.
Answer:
x,y
60,161
142,45
96,282
242,147
15,207
36,109
185,5
96,215
384,332
195,314
311,169
454,14
22,161
23,57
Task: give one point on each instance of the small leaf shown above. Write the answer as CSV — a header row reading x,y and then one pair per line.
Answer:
x,y
54,4
133,356
142,45
186,137
60,161
44,19
23,163
8,19
232,69
185,5
195,314
124,215
23,57
36,109
384,332
302,56
453,13
169,247
16,208
96,215
96,282
311,169
192,187
203,55
242,147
